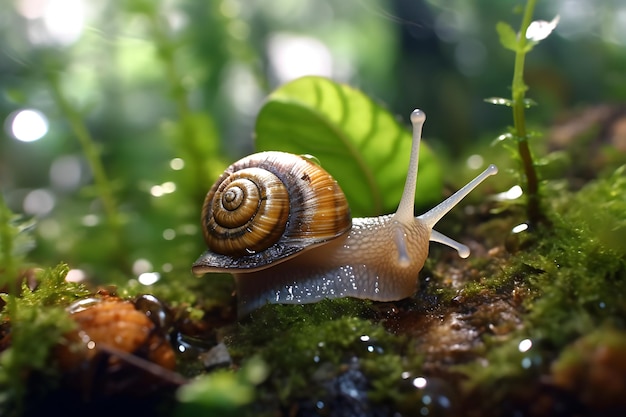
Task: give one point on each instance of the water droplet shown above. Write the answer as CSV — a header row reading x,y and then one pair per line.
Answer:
x,y
149,278
520,228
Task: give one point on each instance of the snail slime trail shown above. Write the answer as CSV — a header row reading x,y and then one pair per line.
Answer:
x,y
281,225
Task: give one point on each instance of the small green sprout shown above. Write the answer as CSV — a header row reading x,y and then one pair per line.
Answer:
x,y
530,34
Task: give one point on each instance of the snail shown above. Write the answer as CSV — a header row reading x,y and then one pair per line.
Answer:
x,y
281,225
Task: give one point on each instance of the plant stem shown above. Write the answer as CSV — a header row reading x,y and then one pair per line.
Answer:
x,y
90,150
535,214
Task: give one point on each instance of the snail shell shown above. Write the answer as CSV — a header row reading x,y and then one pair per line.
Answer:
x,y
269,206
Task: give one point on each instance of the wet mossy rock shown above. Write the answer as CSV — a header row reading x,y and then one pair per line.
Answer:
x,y
573,278
317,351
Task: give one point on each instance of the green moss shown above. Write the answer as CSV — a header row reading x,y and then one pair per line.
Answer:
x,y
33,321
575,275
583,266
307,346
52,290
182,292
486,285
37,320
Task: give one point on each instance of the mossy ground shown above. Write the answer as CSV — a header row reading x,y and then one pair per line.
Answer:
x,y
521,327
490,333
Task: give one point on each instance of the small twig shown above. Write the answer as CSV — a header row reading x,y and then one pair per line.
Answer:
x,y
164,374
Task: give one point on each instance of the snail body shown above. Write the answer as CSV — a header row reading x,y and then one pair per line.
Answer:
x,y
311,249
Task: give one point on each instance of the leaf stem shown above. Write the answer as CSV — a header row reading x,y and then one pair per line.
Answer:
x,y
535,214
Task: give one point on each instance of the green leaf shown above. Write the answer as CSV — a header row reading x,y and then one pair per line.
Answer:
x,y
359,142
508,37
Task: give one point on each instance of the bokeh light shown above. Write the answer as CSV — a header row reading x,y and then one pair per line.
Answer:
x,y
177,164
475,161
28,125
66,172
76,275
149,278
38,202
293,56
53,22
162,189
141,265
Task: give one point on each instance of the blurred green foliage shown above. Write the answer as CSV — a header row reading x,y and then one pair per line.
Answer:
x,y
164,95
221,393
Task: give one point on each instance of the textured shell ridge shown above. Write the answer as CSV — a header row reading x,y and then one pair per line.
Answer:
x,y
318,212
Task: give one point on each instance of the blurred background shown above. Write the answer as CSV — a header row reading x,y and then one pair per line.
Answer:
x,y
118,116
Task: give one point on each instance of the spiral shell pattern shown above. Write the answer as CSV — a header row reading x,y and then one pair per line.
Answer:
x,y
269,206
249,211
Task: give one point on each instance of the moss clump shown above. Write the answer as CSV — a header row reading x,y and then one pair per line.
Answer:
x,y
191,297
313,351
574,278
34,322
583,266
51,290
